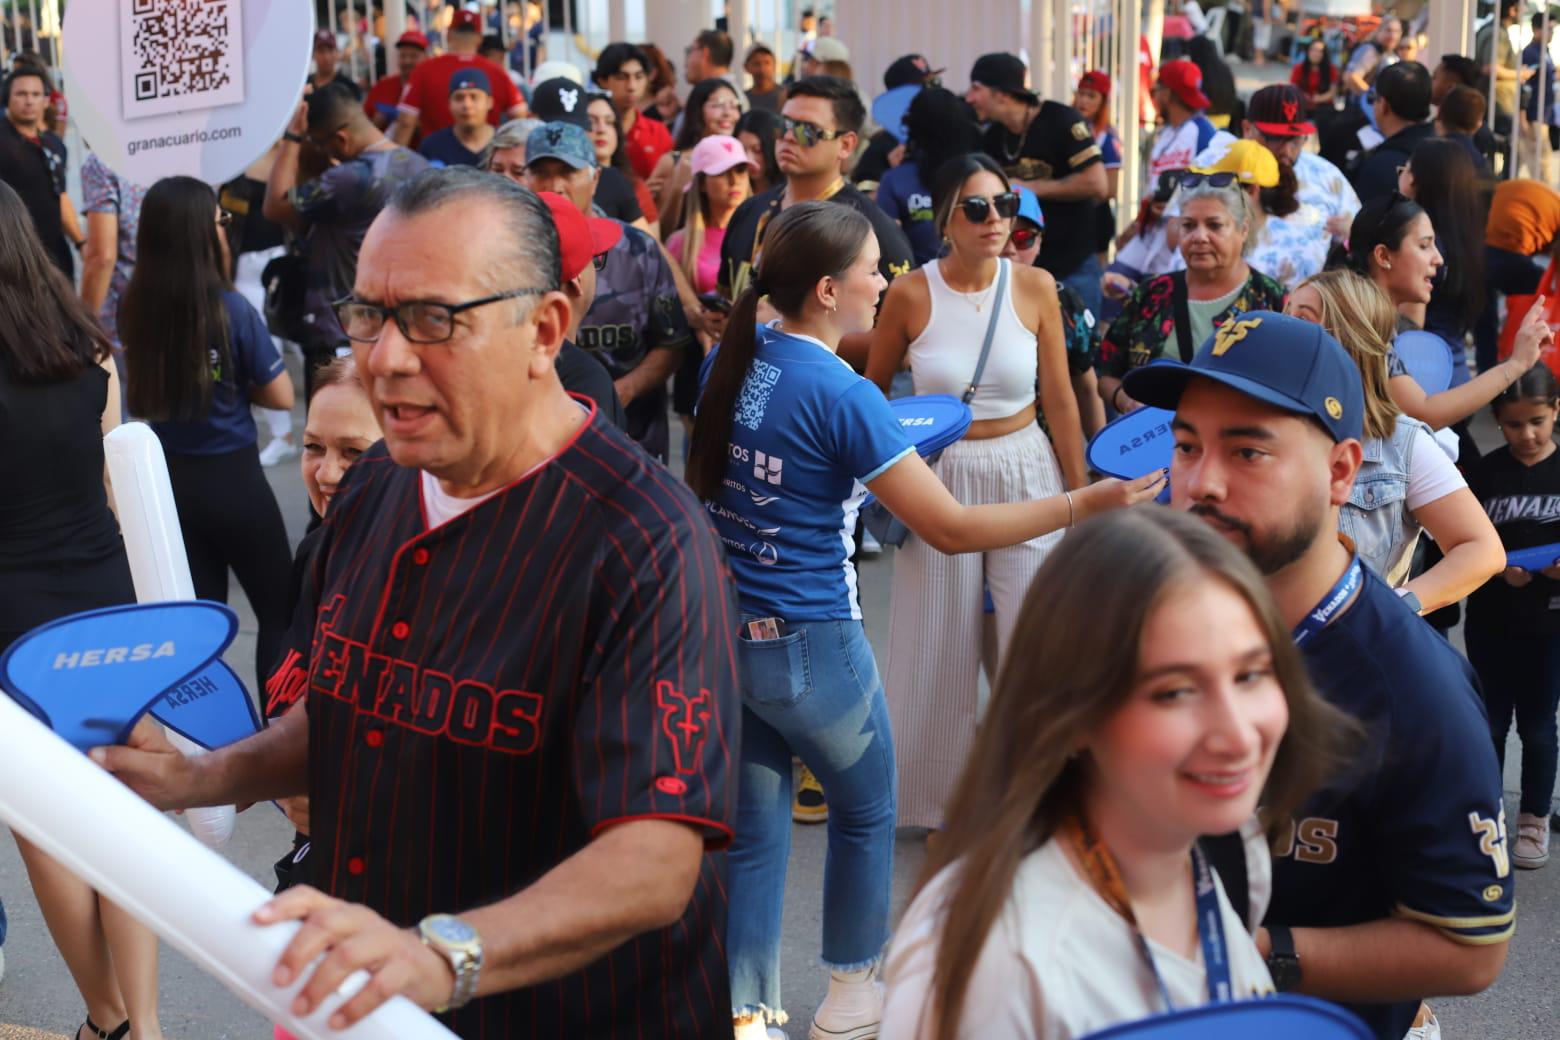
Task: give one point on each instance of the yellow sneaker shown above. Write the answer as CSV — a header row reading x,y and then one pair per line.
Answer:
x,y
809,806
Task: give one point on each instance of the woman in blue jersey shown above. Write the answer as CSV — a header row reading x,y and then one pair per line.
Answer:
x,y
787,443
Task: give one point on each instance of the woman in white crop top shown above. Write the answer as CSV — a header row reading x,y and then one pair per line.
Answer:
x,y
1061,899
936,319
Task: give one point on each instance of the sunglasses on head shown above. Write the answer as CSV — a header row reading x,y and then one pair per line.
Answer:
x,y
977,207
806,134
1214,180
1371,96
1025,237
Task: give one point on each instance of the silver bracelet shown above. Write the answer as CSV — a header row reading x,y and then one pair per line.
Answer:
x,y
1068,495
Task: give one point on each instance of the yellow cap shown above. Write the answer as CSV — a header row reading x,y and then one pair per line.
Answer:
x,y
1249,161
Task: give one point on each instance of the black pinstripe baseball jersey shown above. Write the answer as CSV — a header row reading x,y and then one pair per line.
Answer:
x,y
486,696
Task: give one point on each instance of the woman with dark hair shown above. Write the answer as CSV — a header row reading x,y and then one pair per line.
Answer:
x,y
60,553
1103,758
713,108
196,356
779,404
1439,175
610,152
759,131
1316,78
1393,243
937,317
938,128
661,91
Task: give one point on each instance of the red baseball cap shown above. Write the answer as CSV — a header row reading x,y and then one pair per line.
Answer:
x,y
412,38
580,238
1095,80
468,21
1184,79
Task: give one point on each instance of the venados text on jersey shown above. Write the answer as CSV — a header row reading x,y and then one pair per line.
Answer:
x,y
425,700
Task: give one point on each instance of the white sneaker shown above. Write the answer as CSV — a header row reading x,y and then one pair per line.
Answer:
x,y
853,1008
1431,1030
755,1029
1531,849
280,449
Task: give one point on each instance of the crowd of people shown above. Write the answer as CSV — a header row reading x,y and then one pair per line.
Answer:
x,y
531,595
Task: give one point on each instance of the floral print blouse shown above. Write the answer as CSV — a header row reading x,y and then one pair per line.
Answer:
x,y
1145,331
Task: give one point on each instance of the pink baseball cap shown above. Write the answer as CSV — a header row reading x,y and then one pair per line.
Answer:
x,y
717,154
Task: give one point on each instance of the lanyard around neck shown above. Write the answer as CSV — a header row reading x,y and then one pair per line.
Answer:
x,y
1322,615
1100,866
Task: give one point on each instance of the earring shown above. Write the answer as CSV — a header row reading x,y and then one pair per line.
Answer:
x,y
1386,267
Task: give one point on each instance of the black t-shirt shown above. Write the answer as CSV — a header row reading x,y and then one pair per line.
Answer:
x,y
1057,144
1376,173
745,234
584,375
1523,502
615,196
35,170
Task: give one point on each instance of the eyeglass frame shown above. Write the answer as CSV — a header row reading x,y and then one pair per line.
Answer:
x,y
813,130
400,323
1224,179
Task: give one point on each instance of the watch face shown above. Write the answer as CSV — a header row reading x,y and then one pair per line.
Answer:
x,y
451,930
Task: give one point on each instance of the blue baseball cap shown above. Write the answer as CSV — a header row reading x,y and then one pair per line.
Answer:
x,y
471,79
562,141
1282,361
1029,206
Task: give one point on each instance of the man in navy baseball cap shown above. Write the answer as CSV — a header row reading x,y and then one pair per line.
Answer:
x,y
461,143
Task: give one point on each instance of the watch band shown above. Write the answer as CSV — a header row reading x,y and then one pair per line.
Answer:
x,y
465,958
288,135
1282,961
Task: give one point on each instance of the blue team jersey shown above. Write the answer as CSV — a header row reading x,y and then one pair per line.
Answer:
x,y
807,436
1416,827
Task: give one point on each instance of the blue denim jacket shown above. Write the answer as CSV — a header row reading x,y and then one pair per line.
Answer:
x,y
1376,517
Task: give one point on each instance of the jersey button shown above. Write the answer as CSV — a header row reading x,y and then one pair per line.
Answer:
x,y
420,556
400,630
355,866
373,738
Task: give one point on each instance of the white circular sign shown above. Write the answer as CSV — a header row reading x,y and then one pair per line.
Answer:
x,y
196,87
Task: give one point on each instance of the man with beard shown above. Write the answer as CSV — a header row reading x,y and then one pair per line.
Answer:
x,y
1393,883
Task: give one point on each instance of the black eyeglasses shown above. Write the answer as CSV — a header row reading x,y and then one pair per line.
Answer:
x,y
1222,179
978,207
599,261
1025,237
420,321
806,134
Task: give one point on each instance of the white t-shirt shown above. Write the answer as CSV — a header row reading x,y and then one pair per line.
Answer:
x,y
1175,148
1059,962
440,507
1431,474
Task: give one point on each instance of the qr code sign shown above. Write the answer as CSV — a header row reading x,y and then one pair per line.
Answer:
x,y
177,55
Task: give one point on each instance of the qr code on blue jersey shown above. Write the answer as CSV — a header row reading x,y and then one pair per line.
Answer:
x,y
753,402
177,55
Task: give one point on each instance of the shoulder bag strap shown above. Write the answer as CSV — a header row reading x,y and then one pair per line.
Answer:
x,y
997,301
1183,316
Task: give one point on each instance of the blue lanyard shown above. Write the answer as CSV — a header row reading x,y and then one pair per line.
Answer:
x,y
1324,612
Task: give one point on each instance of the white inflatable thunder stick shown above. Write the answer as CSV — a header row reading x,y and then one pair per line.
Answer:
x,y
105,834
158,564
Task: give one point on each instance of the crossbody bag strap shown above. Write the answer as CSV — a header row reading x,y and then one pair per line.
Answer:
x,y
991,328
1180,300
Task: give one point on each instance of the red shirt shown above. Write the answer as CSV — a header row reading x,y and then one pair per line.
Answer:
x,y
646,141
1308,78
428,92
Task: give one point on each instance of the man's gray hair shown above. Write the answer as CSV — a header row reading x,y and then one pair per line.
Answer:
x,y
1234,198
512,134
526,229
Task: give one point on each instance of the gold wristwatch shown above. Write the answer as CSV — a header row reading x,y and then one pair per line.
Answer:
x,y
457,942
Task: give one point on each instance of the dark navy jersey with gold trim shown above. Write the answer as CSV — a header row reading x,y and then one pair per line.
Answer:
x,y
487,696
1416,827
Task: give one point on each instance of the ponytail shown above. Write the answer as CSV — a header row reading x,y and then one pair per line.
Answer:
x,y
712,423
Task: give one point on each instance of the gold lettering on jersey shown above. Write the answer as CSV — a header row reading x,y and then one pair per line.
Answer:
x,y
1492,840
1030,169
1311,840
1231,333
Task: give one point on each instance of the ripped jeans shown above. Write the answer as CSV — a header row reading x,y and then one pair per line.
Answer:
x,y
816,692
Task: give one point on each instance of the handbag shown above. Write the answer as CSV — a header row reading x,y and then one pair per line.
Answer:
x,y
284,280
1517,307
875,517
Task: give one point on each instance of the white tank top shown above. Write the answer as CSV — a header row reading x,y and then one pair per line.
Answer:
x,y
944,355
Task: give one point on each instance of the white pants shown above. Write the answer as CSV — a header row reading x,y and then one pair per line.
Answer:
x,y
934,649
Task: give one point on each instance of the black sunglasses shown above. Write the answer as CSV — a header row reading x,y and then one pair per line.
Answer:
x,y
978,207
1214,180
806,134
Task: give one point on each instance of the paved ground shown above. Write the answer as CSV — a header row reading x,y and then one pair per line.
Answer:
x,y
37,994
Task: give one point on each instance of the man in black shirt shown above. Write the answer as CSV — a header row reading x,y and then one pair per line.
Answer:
x,y
1402,109
32,162
823,116
1049,149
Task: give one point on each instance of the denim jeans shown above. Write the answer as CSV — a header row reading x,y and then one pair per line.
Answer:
x,y
816,692
1085,281
1520,675
1509,274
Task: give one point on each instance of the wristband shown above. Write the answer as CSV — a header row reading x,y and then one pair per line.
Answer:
x,y
1068,496
1115,394
288,135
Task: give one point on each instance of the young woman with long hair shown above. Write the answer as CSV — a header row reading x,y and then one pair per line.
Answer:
x,y
1439,175
1406,483
759,131
937,317
1116,736
787,443
937,130
196,356
60,553
611,152
722,181
1393,243
1317,79
713,108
